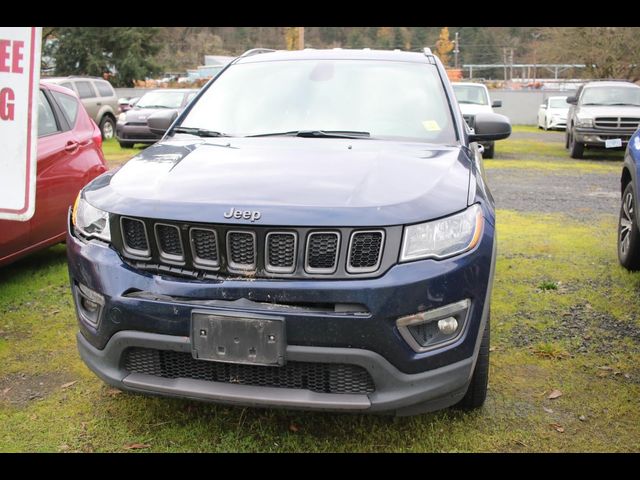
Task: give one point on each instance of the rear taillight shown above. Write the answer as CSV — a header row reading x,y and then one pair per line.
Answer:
x,y
97,135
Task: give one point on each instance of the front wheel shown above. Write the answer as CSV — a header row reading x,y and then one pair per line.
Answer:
x,y
107,127
576,150
125,144
477,392
628,235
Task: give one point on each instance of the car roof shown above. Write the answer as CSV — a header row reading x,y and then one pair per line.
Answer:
x,y
611,83
70,77
171,90
57,88
335,54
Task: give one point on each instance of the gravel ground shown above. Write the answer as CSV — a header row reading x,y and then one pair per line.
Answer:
x,y
576,195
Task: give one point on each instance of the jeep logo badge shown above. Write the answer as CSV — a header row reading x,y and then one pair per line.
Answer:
x,y
243,214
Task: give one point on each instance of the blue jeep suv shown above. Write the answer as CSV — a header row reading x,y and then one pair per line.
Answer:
x,y
314,231
628,233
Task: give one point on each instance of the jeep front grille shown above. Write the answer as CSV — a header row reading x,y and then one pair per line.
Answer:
x,y
316,377
364,251
322,252
622,123
215,250
135,236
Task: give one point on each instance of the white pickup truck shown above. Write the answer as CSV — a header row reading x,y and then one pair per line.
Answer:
x,y
474,98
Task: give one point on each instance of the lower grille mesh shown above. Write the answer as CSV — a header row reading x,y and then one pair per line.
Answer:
x,y
317,377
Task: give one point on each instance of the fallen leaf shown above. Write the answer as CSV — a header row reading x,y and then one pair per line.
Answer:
x,y
63,448
33,417
112,392
605,368
554,394
293,427
136,446
557,427
627,376
521,443
582,418
67,385
602,374
6,390
494,349
548,410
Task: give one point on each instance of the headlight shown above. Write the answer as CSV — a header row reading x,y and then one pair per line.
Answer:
x,y
122,117
443,238
585,122
90,221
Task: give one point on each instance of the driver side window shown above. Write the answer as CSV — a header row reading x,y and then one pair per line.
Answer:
x,y
47,123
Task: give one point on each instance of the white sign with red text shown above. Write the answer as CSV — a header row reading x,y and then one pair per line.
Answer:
x,y
19,78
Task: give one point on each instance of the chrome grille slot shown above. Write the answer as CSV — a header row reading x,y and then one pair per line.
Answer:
x,y
365,250
134,236
623,123
322,252
280,252
169,242
241,250
204,247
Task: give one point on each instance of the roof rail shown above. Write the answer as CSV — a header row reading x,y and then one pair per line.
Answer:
x,y
427,51
255,51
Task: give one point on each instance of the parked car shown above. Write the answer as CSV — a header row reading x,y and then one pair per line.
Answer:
x,y
474,98
552,114
314,231
602,115
98,97
69,156
132,125
628,221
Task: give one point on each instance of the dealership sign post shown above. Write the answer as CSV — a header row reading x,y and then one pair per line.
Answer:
x,y
19,77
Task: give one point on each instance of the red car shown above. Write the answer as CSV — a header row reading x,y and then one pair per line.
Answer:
x,y
69,157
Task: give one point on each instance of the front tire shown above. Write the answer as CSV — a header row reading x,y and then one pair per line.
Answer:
x,y
576,150
477,391
107,127
125,144
628,235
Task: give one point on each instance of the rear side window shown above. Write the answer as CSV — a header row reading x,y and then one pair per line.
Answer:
x,y
46,119
67,85
85,90
104,89
69,106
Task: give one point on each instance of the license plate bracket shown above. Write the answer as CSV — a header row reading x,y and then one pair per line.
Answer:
x,y
613,142
238,337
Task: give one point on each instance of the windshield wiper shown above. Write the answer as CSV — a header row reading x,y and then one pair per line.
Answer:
x,y
200,132
317,134
152,106
623,103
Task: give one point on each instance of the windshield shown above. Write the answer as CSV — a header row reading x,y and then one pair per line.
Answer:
x,y
159,99
558,103
372,98
476,95
611,96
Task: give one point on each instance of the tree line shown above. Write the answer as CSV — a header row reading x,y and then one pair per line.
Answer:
x,y
130,53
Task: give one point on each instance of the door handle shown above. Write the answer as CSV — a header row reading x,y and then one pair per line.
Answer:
x,y
99,104
71,146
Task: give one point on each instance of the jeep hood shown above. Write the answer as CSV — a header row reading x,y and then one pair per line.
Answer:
x,y
290,181
609,111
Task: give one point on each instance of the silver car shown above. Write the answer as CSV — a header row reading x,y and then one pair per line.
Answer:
x,y
98,97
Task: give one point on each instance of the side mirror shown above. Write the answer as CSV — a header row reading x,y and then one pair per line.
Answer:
x,y
496,103
490,126
543,106
160,122
572,100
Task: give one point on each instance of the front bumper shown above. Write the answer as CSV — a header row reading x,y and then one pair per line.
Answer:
x,y
135,134
596,137
406,382
558,123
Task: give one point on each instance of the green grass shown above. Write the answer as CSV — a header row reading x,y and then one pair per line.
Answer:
x,y
38,327
116,155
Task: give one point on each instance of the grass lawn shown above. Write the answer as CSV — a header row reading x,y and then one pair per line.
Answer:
x,y
564,317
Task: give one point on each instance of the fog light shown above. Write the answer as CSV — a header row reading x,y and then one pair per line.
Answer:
x,y
434,328
90,306
448,326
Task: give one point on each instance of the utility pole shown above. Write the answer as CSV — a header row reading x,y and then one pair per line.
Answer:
x,y
504,62
456,51
511,65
